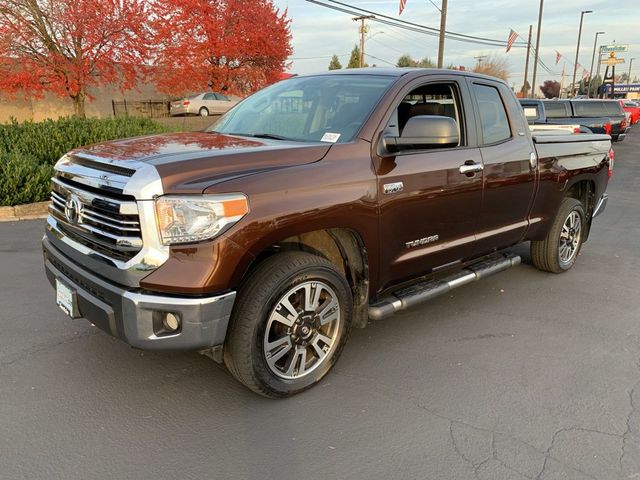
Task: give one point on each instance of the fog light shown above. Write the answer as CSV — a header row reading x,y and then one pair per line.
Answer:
x,y
171,322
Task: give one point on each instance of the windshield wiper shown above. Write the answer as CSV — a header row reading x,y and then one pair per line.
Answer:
x,y
256,135
269,135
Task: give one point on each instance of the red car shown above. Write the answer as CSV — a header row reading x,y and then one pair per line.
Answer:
x,y
633,108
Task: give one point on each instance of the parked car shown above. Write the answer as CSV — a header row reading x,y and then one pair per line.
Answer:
x,y
264,240
553,113
633,108
203,104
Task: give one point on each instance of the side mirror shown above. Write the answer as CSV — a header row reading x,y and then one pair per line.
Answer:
x,y
424,131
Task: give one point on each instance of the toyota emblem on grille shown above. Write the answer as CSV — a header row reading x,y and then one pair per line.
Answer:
x,y
72,209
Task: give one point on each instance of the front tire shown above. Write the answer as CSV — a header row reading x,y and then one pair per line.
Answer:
x,y
289,325
558,252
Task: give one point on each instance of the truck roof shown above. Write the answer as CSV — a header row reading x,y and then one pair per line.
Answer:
x,y
403,71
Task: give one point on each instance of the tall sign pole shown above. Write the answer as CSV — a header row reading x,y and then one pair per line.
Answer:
x,y
593,57
535,55
574,90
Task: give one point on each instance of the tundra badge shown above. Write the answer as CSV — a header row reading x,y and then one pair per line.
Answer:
x,y
393,187
422,241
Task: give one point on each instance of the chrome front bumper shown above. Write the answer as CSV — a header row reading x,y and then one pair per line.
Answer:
x,y
135,317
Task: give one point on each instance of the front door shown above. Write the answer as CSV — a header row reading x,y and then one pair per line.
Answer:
x,y
428,208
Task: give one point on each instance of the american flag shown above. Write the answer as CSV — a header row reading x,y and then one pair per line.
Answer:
x,y
558,57
403,3
512,38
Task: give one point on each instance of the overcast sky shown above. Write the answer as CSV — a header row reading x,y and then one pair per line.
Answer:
x,y
319,32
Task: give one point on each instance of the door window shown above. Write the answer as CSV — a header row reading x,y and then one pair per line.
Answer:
x,y
493,116
209,96
439,99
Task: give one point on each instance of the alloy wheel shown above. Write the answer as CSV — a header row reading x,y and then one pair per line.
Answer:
x,y
302,330
570,237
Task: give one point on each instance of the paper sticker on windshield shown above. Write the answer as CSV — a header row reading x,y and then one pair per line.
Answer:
x,y
330,137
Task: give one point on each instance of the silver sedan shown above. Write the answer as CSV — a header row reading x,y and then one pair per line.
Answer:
x,y
203,104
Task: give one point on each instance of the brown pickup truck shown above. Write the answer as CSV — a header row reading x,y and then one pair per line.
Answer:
x,y
311,207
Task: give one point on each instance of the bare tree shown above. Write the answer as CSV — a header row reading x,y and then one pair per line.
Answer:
x,y
493,66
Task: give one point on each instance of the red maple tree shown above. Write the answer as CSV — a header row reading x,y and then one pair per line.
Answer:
x,y
236,46
66,46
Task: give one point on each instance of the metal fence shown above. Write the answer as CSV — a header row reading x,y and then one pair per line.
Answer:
x,y
140,108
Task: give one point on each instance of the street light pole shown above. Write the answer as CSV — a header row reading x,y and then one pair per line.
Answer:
x,y
443,26
575,65
535,55
629,74
593,57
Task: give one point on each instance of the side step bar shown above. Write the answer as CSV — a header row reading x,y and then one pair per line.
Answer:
x,y
424,291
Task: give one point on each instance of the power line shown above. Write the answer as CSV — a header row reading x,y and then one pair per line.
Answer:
x,y
435,30
422,29
415,27
381,59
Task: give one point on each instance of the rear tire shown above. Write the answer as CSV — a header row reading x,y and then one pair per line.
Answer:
x,y
291,320
558,252
203,112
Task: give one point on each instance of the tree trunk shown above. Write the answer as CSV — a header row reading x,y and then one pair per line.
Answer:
x,y
78,104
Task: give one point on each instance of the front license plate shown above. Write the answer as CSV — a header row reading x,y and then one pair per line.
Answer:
x,y
64,298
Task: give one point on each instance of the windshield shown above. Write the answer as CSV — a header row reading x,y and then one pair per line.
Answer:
x,y
326,108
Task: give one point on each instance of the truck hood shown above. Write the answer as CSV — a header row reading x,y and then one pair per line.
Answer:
x,y
192,162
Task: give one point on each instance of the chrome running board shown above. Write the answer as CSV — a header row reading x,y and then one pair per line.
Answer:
x,y
424,291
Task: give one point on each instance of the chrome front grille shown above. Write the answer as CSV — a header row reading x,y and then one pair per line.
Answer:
x,y
102,219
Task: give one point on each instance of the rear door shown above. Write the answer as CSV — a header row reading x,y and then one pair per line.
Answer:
x,y
510,166
428,208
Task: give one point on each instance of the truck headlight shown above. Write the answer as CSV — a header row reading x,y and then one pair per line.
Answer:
x,y
184,219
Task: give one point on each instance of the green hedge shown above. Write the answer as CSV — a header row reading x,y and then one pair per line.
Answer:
x,y
29,150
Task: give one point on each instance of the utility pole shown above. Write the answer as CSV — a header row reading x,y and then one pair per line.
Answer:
x,y
593,57
574,90
480,59
629,74
363,32
526,64
535,59
443,26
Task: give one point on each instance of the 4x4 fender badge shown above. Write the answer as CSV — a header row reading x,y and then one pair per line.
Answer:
x,y
389,188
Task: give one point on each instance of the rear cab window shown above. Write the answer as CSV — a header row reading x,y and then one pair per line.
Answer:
x,y
556,109
595,108
531,111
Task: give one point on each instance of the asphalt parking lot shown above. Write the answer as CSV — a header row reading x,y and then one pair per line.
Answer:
x,y
523,375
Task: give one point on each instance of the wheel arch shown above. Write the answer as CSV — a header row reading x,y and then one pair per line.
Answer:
x,y
585,192
344,247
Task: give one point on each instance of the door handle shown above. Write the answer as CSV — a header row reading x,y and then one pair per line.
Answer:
x,y
471,167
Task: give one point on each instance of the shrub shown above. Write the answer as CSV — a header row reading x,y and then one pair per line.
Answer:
x,y
29,150
23,179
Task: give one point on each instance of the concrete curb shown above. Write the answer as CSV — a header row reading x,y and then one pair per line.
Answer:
x,y
29,211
